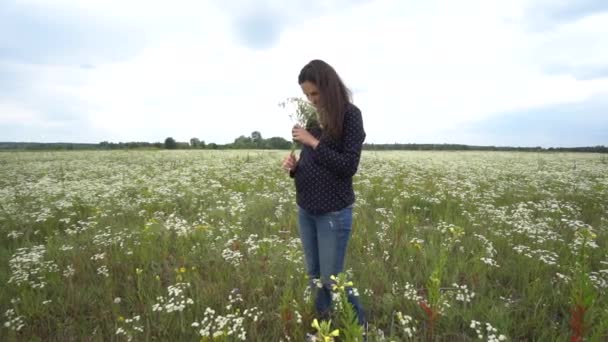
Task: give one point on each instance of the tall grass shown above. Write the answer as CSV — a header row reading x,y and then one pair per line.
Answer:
x,y
203,245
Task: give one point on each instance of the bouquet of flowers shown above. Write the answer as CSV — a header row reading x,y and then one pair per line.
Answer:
x,y
302,114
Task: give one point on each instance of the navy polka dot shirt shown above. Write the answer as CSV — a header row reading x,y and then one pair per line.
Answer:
x,y
324,176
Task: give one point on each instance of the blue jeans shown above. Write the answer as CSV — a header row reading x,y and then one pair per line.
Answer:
x,y
324,240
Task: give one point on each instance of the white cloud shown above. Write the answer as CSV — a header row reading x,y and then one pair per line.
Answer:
x,y
11,113
417,69
430,68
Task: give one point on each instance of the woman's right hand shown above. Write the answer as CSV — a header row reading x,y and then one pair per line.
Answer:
x,y
290,162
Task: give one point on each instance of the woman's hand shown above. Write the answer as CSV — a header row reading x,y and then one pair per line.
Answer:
x,y
290,162
302,135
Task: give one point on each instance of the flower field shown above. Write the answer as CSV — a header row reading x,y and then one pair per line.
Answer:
x,y
203,245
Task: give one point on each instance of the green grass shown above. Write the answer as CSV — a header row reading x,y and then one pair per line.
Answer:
x,y
99,246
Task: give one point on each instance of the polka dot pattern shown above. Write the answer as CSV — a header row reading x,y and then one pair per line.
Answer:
x,y
323,176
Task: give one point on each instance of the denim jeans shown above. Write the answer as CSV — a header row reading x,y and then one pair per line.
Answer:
x,y
324,240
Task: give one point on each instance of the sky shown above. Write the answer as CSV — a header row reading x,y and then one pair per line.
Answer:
x,y
477,72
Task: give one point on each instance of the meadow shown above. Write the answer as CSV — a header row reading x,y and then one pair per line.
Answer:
x,y
203,246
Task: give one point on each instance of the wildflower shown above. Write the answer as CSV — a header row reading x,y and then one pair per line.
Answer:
x,y
490,331
28,267
405,320
323,330
304,114
489,261
177,300
340,283
417,243
103,270
69,271
99,256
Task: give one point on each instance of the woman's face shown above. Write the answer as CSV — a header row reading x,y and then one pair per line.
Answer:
x,y
312,93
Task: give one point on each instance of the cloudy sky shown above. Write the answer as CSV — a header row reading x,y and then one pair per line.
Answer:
x,y
484,72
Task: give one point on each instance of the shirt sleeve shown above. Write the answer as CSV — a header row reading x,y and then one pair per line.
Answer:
x,y
343,163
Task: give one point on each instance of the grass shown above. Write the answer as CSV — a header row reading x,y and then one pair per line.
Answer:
x,y
182,245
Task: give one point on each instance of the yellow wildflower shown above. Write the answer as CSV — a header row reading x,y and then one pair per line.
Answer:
x,y
315,324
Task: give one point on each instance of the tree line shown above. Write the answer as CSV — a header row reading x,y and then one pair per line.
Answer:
x,y
253,141
256,141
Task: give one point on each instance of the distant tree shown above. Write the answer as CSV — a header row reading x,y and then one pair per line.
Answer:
x,y
256,138
277,143
182,145
212,146
243,142
195,142
170,143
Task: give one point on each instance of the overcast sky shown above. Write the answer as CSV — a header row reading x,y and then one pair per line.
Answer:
x,y
484,72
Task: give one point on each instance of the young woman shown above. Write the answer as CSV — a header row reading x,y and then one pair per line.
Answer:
x,y
323,178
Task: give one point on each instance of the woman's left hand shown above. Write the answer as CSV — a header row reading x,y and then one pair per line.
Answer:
x,y
302,135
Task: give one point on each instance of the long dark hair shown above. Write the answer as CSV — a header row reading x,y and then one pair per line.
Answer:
x,y
335,96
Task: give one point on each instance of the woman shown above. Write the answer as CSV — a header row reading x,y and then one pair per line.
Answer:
x,y
323,178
